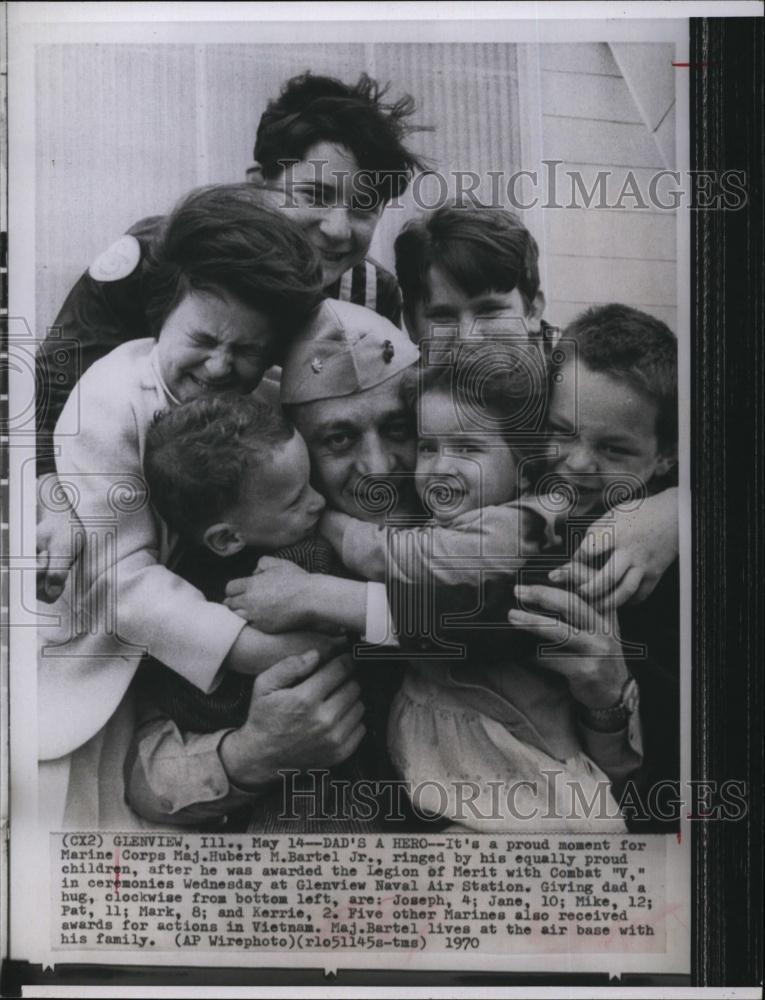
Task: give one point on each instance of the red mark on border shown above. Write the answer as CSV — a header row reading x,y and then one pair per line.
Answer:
x,y
689,65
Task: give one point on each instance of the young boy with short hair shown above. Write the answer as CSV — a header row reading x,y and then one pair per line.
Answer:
x,y
230,475
460,265
616,373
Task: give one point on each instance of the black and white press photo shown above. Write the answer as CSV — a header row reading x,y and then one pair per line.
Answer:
x,y
353,490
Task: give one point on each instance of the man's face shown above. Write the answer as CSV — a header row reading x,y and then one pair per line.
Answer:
x,y
320,194
214,343
277,505
350,437
447,305
600,428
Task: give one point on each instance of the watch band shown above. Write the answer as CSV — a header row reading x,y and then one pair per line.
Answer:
x,y
615,717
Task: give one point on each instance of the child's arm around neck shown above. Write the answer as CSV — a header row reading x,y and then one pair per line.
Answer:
x,y
502,537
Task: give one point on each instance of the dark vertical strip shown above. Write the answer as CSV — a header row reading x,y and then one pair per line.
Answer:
x,y
4,420
727,314
359,284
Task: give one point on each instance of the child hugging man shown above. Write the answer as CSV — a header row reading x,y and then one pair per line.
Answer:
x,y
613,430
483,735
230,475
499,717
348,362
497,731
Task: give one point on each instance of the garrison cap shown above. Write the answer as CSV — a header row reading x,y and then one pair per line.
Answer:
x,y
344,350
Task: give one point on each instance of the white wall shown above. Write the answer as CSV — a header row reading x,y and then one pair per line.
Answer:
x,y
591,122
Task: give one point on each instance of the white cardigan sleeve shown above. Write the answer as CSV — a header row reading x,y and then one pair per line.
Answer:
x,y
153,609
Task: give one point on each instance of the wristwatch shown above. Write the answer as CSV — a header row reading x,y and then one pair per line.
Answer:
x,y
615,717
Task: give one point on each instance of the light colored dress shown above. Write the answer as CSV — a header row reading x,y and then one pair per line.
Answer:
x,y
493,776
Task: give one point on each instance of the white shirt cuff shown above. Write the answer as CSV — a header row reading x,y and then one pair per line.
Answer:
x,y
379,629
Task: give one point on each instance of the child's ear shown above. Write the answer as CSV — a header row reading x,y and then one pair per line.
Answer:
x,y
223,539
537,307
255,174
665,463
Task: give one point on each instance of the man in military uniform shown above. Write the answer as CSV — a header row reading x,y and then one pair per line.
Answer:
x,y
329,154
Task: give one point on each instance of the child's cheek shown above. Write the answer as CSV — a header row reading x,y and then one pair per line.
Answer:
x,y
421,477
424,466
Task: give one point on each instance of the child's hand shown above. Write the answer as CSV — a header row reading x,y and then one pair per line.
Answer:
x,y
646,544
332,525
58,543
587,648
276,598
270,599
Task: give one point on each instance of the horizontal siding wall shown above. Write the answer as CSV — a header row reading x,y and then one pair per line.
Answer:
x,y
591,123
468,94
